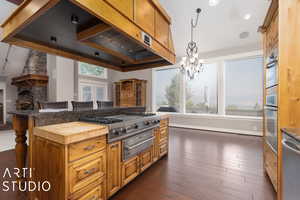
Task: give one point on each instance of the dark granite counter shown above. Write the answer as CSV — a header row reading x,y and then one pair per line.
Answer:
x,y
48,118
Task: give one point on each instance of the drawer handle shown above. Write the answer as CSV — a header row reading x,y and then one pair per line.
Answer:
x,y
87,172
93,198
89,148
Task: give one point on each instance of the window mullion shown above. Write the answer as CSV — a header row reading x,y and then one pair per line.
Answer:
x,y
221,88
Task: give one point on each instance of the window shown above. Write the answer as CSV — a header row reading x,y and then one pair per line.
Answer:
x,y
92,70
167,90
90,91
201,92
244,87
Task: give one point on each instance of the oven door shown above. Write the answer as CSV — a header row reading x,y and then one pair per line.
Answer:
x,y
271,74
271,97
271,127
134,145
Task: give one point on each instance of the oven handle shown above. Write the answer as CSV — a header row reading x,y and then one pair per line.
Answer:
x,y
285,144
136,145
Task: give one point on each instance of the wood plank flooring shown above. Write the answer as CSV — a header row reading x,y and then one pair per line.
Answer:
x,y
201,165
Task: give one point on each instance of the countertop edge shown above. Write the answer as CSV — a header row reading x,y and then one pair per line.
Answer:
x,y
73,138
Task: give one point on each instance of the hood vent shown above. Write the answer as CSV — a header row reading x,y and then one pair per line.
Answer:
x,y
73,30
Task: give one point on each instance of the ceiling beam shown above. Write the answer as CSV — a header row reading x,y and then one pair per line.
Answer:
x,y
17,2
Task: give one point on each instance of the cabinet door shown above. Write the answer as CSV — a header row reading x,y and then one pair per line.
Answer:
x,y
124,6
130,169
113,168
163,149
156,145
127,95
162,29
144,15
146,159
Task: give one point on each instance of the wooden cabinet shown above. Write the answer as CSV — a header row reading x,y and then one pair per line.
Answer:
x,y
144,15
113,168
270,43
162,29
130,93
130,169
270,160
156,145
72,157
283,36
88,169
163,138
124,6
146,159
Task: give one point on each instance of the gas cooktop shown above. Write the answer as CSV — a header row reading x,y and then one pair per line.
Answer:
x,y
126,124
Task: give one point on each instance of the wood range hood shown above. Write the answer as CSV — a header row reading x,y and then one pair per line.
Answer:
x,y
121,35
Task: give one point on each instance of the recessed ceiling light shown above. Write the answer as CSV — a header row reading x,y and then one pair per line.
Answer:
x,y
213,2
247,16
244,35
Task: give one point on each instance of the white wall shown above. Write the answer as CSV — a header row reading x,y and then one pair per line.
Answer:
x,y
61,79
230,124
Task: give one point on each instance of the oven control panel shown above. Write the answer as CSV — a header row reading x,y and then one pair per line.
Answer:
x,y
133,127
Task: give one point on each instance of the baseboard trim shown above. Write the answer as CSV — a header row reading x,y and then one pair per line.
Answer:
x,y
234,131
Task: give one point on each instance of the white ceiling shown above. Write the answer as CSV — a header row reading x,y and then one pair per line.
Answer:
x,y
6,8
219,27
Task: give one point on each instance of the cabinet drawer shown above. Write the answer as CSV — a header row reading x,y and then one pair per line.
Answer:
x,y
163,149
87,147
85,171
95,191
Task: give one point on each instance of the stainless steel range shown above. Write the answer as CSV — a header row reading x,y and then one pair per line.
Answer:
x,y
134,129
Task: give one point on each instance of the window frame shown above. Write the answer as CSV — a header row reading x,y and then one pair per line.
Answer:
x,y
93,85
89,75
221,87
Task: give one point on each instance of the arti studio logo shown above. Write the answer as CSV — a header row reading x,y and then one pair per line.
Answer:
x,y
26,185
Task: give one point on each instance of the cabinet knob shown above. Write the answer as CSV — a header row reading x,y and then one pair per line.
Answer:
x,y
90,171
89,148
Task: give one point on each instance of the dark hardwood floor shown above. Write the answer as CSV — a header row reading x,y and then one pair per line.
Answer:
x,y
200,166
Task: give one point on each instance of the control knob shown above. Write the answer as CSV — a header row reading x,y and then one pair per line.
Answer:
x,y
115,132
147,123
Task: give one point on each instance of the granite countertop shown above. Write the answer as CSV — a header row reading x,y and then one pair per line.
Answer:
x,y
71,132
36,112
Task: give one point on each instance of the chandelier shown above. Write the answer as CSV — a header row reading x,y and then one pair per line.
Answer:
x,y
191,64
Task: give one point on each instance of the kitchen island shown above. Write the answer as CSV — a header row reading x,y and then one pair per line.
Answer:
x,y
26,120
83,160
